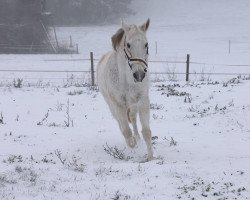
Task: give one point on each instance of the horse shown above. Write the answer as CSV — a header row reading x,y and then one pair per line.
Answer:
x,y
123,80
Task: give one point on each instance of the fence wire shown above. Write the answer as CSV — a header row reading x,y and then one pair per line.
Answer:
x,y
152,61
159,61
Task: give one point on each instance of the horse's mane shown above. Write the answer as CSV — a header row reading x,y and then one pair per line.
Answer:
x,y
116,38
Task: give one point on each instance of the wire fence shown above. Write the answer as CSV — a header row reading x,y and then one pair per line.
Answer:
x,y
91,72
216,64
157,61
38,48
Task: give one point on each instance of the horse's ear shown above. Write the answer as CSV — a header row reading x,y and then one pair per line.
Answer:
x,y
116,38
144,27
125,26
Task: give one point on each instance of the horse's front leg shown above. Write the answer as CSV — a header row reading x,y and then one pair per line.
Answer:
x,y
122,119
132,114
144,107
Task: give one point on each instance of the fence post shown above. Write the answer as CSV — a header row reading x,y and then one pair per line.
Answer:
x,y
92,68
187,67
77,49
70,42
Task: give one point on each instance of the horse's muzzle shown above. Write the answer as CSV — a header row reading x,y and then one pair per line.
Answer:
x,y
139,76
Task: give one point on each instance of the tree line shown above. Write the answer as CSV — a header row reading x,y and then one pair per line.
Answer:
x,y
25,23
85,12
21,25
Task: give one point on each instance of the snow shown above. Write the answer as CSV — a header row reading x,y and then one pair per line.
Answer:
x,y
211,149
56,132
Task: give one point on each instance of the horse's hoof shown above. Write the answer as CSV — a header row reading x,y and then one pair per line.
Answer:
x,y
131,142
150,156
148,159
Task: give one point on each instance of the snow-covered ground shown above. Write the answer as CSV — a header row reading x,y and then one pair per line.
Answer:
x,y
57,134
55,143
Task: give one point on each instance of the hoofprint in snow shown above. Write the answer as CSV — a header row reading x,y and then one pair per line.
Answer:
x,y
62,143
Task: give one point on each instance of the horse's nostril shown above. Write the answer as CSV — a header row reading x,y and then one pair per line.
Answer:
x,y
145,70
135,76
143,76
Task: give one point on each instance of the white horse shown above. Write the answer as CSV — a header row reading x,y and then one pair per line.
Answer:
x,y
123,81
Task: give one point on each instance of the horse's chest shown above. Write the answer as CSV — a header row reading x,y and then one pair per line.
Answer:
x,y
134,95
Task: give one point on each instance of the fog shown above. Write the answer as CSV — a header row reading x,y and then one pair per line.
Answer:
x,y
31,19
173,12
27,23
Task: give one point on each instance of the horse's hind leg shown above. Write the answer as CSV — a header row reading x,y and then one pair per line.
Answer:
x,y
132,115
146,132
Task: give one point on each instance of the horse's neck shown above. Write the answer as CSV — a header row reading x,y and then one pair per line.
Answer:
x,y
123,67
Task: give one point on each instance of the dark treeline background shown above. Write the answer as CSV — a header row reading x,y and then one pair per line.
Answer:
x,y
85,12
65,12
24,24
21,24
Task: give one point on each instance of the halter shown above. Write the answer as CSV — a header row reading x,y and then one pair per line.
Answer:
x,y
131,59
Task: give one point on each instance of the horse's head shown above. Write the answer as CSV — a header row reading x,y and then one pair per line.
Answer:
x,y
131,40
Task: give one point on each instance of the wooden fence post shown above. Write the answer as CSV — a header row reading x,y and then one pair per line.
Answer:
x,y
92,68
187,67
70,42
77,49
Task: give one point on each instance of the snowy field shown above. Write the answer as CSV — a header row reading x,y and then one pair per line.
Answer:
x,y
58,139
56,144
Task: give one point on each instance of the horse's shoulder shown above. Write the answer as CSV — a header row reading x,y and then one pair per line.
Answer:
x,y
106,56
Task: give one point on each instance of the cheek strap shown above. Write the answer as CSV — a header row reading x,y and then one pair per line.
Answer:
x,y
131,59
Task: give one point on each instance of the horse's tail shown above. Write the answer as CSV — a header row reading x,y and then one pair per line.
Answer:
x,y
128,112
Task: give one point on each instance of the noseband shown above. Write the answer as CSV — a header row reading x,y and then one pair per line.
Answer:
x,y
131,59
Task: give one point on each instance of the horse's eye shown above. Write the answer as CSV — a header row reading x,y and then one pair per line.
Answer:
x,y
146,45
128,45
